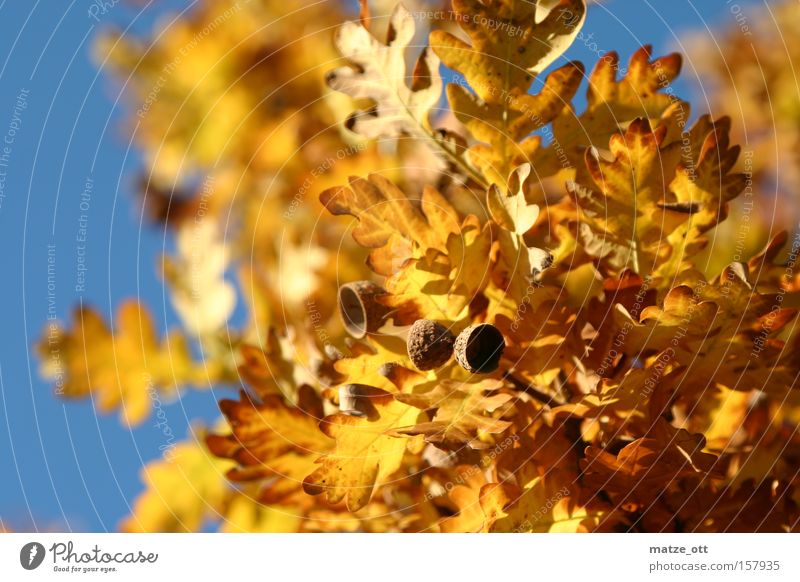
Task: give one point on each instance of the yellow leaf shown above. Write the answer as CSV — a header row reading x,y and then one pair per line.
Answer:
x,y
464,413
505,128
380,74
518,266
644,469
718,332
509,44
541,507
365,456
272,443
366,364
384,212
243,514
705,184
622,220
512,211
267,369
643,92
466,497
128,369
184,490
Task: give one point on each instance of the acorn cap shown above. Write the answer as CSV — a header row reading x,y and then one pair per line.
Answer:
x,y
479,347
429,344
359,308
354,400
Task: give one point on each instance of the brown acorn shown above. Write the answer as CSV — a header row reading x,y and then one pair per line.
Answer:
x,y
479,347
355,400
359,308
429,344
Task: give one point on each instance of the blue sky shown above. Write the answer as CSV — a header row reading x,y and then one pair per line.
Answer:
x,y
64,467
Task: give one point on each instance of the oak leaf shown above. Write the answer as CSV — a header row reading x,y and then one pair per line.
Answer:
x,y
378,73
518,264
184,491
465,495
125,368
541,507
271,442
648,466
624,220
721,332
511,43
464,413
441,286
365,455
505,129
390,222
266,369
642,92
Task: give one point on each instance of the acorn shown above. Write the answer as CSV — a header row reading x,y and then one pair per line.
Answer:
x,y
429,344
359,308
479,347
354,400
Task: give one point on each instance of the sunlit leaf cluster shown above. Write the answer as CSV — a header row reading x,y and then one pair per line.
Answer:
x,y
541,346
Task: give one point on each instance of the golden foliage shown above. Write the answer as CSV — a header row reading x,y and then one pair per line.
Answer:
x,y
636,390
127,368
366,455
507,60
184,491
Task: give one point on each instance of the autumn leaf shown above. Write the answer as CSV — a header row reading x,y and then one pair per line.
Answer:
x,y
390,222
468,253
717,332
465,495
541,507
705,184
464,413
185,490
439,285
769,272
125,369
379,74
541,331
621,406
612,103
271,442
505,128
512,211
511,43
518,265
365,456
267,369
624,217
372,364
648,466
436,261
